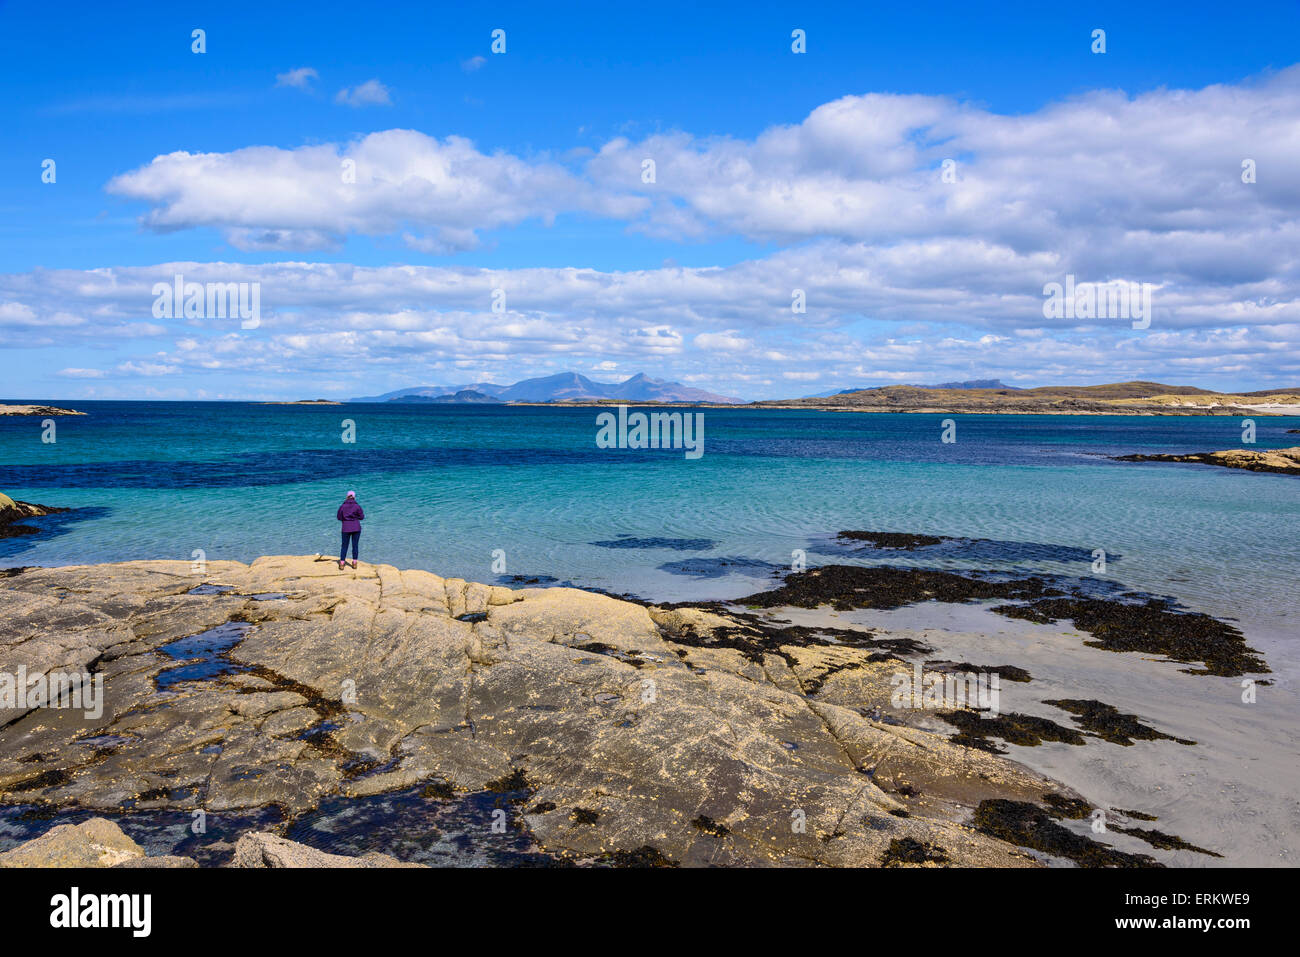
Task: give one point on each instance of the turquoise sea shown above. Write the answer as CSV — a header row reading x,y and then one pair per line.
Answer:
x,y
446,487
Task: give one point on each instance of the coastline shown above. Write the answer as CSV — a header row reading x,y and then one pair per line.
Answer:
x,y
463,690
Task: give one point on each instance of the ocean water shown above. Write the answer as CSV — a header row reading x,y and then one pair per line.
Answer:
x,y
445,488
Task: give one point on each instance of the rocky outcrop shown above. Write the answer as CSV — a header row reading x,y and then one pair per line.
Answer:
x,y
682,735
93,843
259,849
12,513
36,410
1286,461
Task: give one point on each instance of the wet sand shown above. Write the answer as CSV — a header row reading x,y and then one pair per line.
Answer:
x,y
1235,792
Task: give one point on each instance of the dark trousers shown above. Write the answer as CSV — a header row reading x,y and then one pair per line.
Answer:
x,y
356,537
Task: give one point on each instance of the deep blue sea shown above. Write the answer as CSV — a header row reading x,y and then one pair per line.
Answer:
x,y
446,487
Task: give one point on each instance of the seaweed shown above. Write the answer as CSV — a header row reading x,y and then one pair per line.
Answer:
x,y
1110,723
1028,825
643,856
1023,729
846,587
1163,841
1152,627
514,781
908,850
1062,806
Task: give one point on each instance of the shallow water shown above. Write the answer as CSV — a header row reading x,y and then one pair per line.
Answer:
x,y
446,488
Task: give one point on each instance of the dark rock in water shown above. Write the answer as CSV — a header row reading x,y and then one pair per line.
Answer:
x,y
12,513
672,544
1110,723
720,567
521,580
1028,825
903,540
846,587
990,552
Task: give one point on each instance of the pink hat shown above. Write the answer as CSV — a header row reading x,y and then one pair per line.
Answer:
x,y
352,494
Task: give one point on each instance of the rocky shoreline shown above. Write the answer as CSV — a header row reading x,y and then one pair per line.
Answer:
x,y
12,514
594,731
1284,461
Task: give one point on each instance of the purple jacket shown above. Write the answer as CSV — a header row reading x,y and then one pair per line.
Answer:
x,y
350,514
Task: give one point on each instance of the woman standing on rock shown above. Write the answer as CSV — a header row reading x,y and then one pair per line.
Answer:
x,y
351,515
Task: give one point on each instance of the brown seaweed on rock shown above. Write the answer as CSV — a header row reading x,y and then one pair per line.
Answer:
x,y
1153,627
1028,825
1107,721
846,587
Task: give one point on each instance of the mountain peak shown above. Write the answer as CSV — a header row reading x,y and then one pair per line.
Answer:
x,y
569,386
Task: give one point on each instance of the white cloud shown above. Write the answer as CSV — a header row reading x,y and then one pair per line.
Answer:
x,y
473,63
301,78
370,93
728,329
436,192
1102,185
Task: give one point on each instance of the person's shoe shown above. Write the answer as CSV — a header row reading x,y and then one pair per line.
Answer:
x,y
341,564
354,563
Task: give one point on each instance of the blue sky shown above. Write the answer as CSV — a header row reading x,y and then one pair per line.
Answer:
x,y
776,171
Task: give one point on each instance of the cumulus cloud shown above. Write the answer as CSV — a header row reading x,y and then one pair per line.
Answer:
x,y
1103,183
370,93
300,78
727,328
438,193
912,268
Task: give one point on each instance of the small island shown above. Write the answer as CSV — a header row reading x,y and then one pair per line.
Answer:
x,y
36,410
304,402
1285,461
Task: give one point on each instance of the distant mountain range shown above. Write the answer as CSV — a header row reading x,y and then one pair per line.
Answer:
x,y
561,387
463,397
968,384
